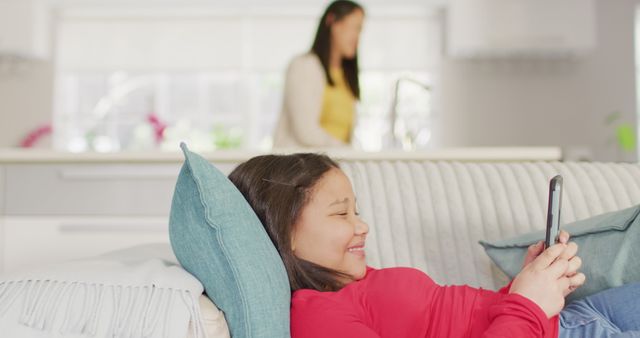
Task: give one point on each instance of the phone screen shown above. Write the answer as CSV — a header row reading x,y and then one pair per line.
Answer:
x,y
553,211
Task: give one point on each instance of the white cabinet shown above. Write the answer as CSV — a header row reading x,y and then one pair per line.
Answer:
x,y
24,29
112,189
44,240
2,193
2,244
523,28
52,212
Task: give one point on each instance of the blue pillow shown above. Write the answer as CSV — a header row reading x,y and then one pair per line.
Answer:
x,y
218,238
609,245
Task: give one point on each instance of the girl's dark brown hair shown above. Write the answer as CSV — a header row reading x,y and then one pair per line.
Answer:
x,y
277,187
322,44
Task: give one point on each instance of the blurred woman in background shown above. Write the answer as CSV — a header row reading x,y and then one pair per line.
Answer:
x,y
321,86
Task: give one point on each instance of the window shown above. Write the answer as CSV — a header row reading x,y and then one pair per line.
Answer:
x,y
136,79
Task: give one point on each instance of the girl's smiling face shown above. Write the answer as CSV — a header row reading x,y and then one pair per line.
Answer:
x,y
329,231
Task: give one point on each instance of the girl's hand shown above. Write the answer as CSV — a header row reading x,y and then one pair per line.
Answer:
x,y
544,280
533,251
569,254
575,262
536,249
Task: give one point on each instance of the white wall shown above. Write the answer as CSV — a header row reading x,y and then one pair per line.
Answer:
x,y
483,103
546,102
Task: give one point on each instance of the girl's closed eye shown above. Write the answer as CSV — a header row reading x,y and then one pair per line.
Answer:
x,y
346,213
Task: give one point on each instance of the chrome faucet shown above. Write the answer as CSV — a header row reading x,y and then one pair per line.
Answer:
x,y
400,141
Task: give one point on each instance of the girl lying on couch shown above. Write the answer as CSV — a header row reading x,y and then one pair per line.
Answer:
x,y
307,205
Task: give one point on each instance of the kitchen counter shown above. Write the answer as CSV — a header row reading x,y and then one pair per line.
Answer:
x,y
13,155
88,203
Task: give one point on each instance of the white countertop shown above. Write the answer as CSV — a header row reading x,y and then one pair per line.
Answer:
x,y
13,155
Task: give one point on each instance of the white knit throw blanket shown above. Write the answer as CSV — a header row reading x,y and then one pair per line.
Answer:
x,y
136,292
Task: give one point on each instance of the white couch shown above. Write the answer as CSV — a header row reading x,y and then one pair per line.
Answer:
x,y
431,214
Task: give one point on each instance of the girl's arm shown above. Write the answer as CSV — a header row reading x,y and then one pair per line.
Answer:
x,y
517,316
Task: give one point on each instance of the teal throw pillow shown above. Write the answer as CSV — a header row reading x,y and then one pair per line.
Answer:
x,y
218,238
609,245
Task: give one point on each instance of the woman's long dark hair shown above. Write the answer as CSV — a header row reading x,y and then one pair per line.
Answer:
x,y
277,187
322,44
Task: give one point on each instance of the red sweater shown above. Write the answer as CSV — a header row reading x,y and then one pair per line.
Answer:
x,y
404,302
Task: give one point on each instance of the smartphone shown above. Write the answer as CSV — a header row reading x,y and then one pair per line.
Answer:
x,y
553,211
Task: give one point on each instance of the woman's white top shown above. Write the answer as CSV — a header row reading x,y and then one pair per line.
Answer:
x,y
299,122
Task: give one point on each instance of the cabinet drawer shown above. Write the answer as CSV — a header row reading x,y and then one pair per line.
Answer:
x,y
2,192
3,242
90,189
36,241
